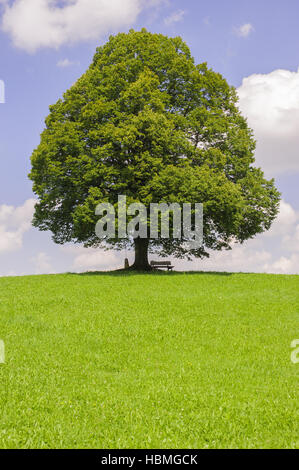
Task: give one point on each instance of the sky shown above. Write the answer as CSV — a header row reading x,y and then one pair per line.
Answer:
x,y
46,45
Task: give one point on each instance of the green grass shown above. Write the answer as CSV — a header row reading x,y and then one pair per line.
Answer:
x,y
195,360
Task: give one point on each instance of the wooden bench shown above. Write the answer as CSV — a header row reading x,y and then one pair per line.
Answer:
x,y
162,265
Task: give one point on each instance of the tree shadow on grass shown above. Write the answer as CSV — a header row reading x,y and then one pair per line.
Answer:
x,y
156,272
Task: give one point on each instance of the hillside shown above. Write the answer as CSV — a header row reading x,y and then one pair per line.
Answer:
x,y
149,361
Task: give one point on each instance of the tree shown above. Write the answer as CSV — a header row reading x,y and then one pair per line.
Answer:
x,y
145,121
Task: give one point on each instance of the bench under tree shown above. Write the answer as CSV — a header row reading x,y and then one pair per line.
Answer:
x,y
162,265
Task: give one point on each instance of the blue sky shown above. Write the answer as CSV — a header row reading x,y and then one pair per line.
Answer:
x,y
43,51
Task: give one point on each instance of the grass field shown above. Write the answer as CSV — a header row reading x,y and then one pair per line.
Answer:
x,y
195,360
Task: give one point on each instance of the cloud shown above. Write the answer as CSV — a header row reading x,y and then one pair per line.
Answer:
x,y
42,264
285,223
93,259
244,30
271,252
285,265
33,24
291,242
63,63
14,223
175,17
271,104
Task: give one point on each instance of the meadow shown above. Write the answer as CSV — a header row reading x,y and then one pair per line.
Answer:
x,y
164,360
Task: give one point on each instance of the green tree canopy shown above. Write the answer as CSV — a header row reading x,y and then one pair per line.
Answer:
x,y
145,121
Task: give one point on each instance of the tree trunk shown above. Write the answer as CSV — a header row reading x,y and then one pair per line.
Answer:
x,y
141,257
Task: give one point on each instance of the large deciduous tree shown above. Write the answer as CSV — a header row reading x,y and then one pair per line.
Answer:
x,y
145,121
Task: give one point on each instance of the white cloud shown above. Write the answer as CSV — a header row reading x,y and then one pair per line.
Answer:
x,y
244,30
42,264
14,223
63,63
271,104
285,222
291,241
93,259
250,257
175,17
33,24
271,252
285,265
